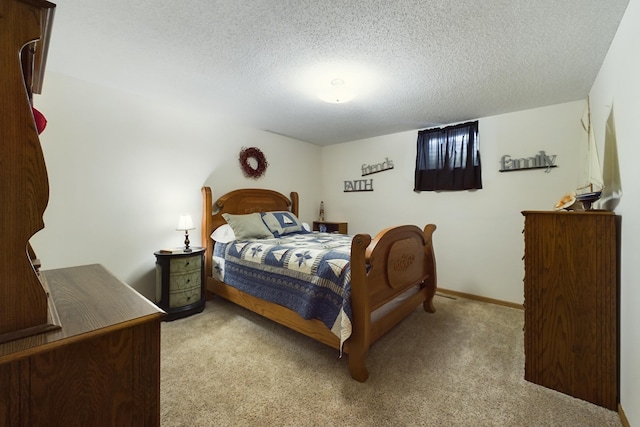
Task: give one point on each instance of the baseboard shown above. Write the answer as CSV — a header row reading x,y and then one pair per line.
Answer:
x,y
480,298
623,416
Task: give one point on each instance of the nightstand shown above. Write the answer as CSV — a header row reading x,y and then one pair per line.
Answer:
x,y
180,282
332,227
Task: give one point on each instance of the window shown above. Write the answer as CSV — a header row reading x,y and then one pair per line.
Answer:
x,y
448,159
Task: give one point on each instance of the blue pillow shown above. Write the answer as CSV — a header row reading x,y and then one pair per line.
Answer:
x,y
281,223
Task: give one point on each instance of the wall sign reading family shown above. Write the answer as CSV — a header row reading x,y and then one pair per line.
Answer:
x,y
538,161
367,184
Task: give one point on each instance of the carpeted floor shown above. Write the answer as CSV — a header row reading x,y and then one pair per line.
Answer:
x,y
462,366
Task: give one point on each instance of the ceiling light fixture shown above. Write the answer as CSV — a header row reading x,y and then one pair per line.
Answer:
x,y
336,92
338,82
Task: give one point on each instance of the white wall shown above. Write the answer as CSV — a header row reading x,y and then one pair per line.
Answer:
x,y
478,242
121,170
617,89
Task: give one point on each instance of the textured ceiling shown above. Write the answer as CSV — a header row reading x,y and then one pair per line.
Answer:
x,y
414,64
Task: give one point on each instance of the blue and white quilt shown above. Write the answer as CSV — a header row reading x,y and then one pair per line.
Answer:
x,y
307,272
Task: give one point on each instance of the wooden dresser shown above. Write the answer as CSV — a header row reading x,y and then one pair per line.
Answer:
x,y
102,368
571,290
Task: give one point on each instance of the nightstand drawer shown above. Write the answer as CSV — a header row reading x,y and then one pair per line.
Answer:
x,y
186,292
185,264
184,281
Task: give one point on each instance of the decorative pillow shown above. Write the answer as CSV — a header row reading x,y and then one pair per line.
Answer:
x,y
223,234
249,226
282,222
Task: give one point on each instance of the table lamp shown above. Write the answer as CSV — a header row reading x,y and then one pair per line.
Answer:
x,y
185,223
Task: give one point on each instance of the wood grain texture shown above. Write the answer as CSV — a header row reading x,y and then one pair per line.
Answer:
x,y
24,185
101,369
11,393
571,303
83,381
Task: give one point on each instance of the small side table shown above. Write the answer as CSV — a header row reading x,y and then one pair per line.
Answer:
x,y
332,227
180,282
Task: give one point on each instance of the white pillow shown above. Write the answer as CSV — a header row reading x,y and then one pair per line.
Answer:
x,y
223,234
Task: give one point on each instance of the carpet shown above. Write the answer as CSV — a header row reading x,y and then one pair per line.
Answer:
x,y
461,366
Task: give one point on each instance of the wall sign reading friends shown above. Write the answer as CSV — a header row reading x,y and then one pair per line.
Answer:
x,y
378,167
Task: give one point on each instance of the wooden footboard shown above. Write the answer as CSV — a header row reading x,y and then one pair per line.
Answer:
x,y
382,268
397,259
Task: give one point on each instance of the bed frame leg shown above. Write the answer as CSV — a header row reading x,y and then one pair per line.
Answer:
x,y
427,304
357,367
431,283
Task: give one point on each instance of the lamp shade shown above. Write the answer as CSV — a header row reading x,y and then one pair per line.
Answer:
x,y
185,223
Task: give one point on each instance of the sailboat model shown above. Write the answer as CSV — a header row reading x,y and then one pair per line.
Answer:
x,y
593,184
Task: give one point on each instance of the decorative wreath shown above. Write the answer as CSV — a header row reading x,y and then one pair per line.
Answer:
x,y
257,155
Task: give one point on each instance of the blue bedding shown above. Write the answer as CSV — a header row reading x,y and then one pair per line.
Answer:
x,y
306,272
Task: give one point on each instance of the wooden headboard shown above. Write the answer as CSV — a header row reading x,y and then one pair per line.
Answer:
x,y
243,201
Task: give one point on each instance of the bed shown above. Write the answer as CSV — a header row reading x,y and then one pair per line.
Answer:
x,y
390,275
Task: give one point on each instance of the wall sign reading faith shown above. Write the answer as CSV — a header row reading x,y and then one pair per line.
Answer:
x,y
539,161
358,185
379,167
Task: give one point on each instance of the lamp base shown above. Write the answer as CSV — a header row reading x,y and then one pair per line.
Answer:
x,y
186,241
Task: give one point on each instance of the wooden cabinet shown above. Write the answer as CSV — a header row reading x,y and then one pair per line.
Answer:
x,y
331,227
77,346
180,282
102,368
24,186
571,290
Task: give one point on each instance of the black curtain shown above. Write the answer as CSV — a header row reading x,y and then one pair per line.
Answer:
x,y
448,159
